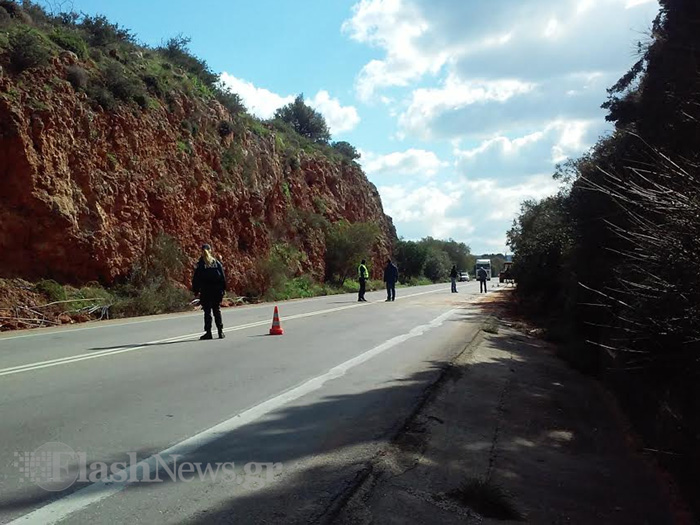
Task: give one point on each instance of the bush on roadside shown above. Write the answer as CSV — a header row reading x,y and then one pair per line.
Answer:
x,y
156,298
52,290
151,287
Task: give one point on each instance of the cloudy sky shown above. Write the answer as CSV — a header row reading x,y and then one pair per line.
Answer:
x,y
460,108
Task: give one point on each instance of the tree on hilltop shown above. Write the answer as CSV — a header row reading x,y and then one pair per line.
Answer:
x,y
304,120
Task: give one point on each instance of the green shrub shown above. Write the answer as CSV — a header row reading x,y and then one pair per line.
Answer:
x,y
230,100
346,244
28,49
70,40
375,284
184,147
15,11
51,289
225,128
78,77
176,50
102,96
346,149
5,17
297,288
350,286
154,84
418,281
305,120
282,263
150,287
121,83
191,127
142,100
93,294
101,32
437,265
151,300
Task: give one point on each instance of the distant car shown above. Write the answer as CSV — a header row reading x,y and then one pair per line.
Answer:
x,y
463,276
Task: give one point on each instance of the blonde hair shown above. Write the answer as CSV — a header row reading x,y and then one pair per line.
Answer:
x,y
209,259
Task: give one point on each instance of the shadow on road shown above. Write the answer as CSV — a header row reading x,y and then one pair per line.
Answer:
x,y
329,431
141,345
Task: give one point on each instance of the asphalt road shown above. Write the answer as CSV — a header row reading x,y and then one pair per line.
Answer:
x,y
127,413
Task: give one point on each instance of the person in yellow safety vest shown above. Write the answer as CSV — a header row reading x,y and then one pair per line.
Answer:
x,y
362,275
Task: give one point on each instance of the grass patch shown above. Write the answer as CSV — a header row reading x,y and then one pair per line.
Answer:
x,y
487,498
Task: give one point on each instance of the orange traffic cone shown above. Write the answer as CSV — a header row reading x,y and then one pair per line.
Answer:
x,y
276,328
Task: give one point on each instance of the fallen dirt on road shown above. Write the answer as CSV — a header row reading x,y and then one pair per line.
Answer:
x,y
511,433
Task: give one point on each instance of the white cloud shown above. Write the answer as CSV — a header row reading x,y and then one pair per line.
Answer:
x,y
500,202
425,211
535,152
339,118
409,162
629,4
394,26
262,103
427,104
484,108
514,86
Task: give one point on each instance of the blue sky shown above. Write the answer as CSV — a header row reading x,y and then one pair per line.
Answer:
x,y
460,108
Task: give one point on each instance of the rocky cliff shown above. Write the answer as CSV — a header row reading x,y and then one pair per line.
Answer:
x,y
84,191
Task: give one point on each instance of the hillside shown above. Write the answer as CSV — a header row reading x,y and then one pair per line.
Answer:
x,y
107,146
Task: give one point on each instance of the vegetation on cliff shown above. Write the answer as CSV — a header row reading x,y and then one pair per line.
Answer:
x,y
120,144
612,262
122,159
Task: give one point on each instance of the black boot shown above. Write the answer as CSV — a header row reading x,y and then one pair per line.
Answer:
x,y
207,335
221,333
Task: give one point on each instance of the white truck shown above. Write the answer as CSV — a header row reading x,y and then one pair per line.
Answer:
x,y
486,265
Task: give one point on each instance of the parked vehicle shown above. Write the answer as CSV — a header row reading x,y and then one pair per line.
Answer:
x,y
506,274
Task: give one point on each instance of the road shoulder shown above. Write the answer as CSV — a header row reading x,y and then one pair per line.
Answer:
x,y
511,430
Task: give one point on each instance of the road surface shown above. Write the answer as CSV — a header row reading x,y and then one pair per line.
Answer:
x,y
129,414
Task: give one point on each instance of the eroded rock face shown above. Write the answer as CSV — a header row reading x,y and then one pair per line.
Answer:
x,y
84,191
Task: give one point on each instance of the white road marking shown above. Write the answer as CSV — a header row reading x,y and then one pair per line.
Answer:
x,y
30,367
59,510
37,332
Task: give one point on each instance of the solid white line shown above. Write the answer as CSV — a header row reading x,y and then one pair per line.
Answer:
x,y
59,510
30,367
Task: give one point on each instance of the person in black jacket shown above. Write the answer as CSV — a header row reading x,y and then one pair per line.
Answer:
x,y
391,275
453,278
209,282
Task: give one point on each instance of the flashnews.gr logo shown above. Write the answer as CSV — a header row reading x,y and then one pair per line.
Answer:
x,y
48,466
55,466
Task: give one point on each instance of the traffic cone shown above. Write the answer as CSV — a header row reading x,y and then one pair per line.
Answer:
x,y
276,328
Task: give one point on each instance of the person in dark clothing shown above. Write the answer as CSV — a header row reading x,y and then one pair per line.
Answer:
x,y
391,275
362,275
209,282
453,278
482,276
